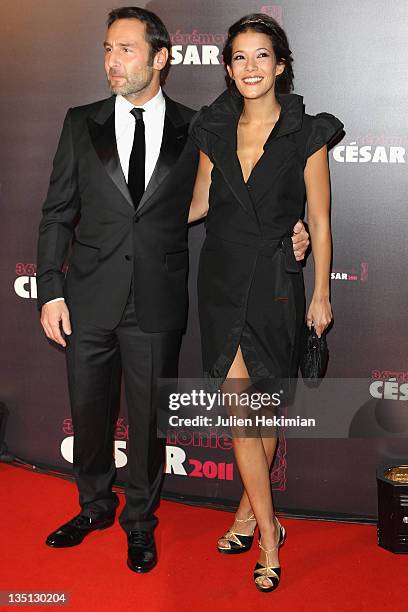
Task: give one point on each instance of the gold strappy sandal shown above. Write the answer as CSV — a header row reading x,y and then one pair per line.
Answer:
x,y
272,574
237,542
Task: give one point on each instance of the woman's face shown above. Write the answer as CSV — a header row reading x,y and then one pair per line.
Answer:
x,y
253,64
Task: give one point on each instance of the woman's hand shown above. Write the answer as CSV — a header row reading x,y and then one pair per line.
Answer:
x,y
319,314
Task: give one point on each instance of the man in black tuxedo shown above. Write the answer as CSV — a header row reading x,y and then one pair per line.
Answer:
x,y
120,191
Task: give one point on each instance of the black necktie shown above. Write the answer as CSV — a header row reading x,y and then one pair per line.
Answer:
x,y
136,177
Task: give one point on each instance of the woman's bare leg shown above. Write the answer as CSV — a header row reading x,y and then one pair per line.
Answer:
x,y
245,509
253,457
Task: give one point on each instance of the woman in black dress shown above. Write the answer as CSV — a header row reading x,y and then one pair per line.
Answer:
x,y
261,157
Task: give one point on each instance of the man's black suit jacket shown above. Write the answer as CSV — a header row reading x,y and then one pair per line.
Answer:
x,y
88,203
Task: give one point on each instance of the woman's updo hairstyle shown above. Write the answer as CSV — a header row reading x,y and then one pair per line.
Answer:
x,y
258,22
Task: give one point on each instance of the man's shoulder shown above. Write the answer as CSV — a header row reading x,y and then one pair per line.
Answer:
x,y
91,109
186,112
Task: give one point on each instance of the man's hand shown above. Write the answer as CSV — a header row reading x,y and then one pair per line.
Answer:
x,y
300,240
52,315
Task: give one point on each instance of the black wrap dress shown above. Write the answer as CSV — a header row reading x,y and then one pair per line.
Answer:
x,y
250,286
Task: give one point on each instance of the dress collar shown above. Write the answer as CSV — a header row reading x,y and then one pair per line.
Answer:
x,y
222,116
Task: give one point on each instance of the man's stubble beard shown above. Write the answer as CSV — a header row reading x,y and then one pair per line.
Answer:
x,y
135,85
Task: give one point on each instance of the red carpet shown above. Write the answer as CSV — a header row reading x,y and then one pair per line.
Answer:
x,y
326,566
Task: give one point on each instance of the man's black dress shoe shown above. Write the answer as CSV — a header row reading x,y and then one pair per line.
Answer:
x,y
73,532
142,554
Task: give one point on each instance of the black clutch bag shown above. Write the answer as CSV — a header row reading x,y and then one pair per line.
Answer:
x,y
314,354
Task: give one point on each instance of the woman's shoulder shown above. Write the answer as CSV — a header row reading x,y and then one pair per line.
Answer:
x,y
213,119
321,129
197,130
322,119
224,107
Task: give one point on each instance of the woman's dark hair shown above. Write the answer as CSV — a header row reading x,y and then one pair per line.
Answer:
x,y
156,32
258,22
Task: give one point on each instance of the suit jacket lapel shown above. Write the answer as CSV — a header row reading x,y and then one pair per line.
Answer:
x,y
175,134
103,137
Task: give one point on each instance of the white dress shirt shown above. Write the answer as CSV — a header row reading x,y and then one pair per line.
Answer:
x,y
153,117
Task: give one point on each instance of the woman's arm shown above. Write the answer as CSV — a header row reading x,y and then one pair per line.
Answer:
x,y
199,203
317,183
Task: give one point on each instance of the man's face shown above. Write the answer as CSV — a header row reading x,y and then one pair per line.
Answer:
x,y
128,62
